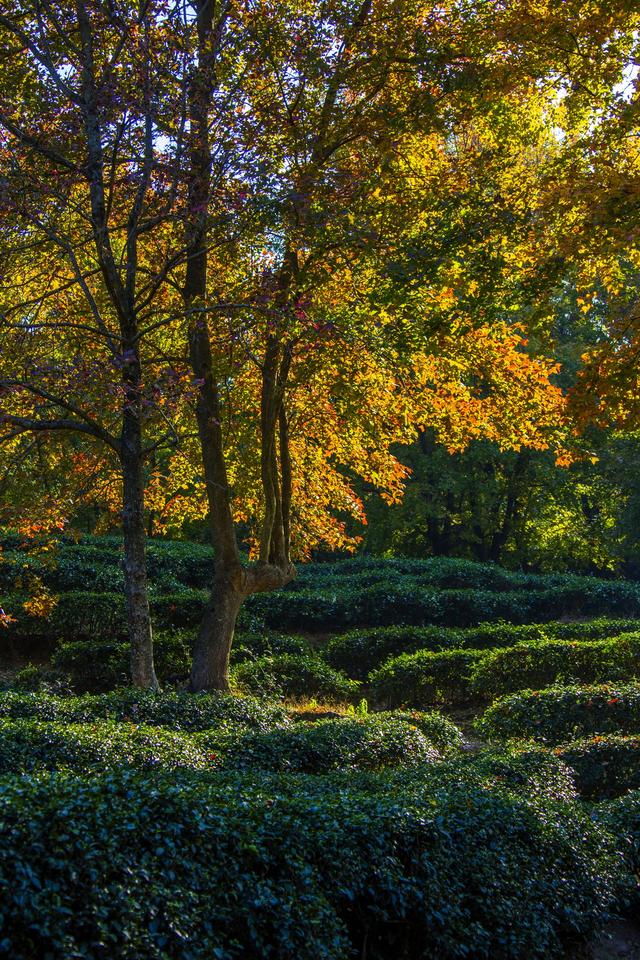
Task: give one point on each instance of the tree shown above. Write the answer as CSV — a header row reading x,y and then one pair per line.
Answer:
x,y
231,185
88,198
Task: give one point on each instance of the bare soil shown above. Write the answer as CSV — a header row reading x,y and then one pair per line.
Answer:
x,y
620,940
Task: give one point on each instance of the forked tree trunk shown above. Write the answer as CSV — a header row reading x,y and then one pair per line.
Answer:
x,y
210,668
135,566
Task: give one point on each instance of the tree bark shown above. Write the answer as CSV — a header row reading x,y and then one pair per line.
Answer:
x,y
210,670
135,565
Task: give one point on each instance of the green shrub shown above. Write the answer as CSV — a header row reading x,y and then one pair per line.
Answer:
x,y
180,711
438,729
360,651
370,743
97,665
195,866
27,745
605,767
266,643
86,615
529,773
297,676
36,678
541,663
424,678
561,714
621,818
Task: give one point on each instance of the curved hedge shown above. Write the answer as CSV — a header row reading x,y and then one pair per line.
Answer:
x,y
371,743
296,676
27,745
180,711
422,679
195,866
604,767
438,729
542,663
358,652
621,818
561,714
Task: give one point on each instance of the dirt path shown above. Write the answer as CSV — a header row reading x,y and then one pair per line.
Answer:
x,y
620,940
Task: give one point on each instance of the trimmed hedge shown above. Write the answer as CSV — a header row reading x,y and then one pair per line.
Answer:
x,y
179,711
397,602
424,678
199,866
26,745
358,652
266,643
296,676
529,773
621,818
371,743
438,729
560,714
542,663
604,767
94,666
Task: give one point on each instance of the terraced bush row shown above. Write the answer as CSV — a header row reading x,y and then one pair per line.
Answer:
x,y
454,676
27,746
383,604
604,766
621,818
98,665
178,711
193,865
295,676
374,743
358,652
563,713
172,563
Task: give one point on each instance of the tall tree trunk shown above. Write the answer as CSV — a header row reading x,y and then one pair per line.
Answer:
x,y
210,670
135,566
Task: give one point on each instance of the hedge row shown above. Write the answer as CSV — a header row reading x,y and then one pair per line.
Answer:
x,y
295,676
179,711
99,559
358,652
455,676
372,743
101,615
560,714
341,608
422,679
193,866
621,818
543,663
97,665
604,766
27,746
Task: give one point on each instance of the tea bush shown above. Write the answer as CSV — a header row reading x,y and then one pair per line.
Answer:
x,y
371,743
438,729
621,818
179,711
296,676
27,745
194,865
604,766
560,714
360,651
537,664
424,678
